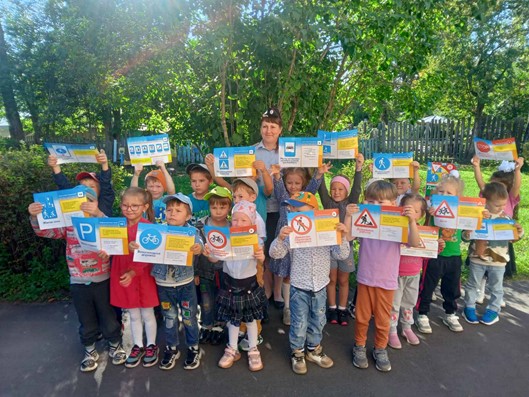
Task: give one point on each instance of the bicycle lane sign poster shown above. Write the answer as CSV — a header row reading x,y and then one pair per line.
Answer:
x,y
236,243
165,244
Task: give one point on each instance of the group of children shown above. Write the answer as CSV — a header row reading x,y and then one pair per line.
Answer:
x,y
231,293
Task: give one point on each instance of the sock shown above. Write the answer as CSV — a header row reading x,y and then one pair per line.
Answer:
x,y
113,345
233,335
252,334
333,307
285,290
90,348
149,319
393,330
341,307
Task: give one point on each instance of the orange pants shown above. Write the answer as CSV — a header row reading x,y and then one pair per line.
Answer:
x,y
373,301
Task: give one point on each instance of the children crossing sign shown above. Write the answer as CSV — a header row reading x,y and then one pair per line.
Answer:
x,y
444,211
452,212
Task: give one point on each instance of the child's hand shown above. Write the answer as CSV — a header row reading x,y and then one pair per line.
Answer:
x,y
35,208
370,166
138,168
275,171
196,249
475,161
359,162
207,254
103,255
431,210
285,232
126,278
160,164
442,245
518,164
101,158
259,254
352,209
197,281
259,165
91,208
52,160
133,245
325,168
341,228
486,214
209,160
416,166
408,211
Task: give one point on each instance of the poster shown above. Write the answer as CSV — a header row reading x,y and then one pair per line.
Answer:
x,y
314,228
429,243
60,206
392,165
300,152
107,234
234,161
339,145
435,173
499,149
165,244
147,150
380,223
235,243
496,229
452,212
73,153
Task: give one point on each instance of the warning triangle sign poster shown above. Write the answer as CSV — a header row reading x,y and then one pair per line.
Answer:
x,y
365,219
380,223
444,211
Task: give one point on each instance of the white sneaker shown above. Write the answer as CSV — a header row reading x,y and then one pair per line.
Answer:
x,y
434,297
423,324
452,322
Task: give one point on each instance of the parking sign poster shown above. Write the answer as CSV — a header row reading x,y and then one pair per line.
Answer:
x,y
107,234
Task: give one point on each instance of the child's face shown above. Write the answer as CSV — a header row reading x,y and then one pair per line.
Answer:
x,y
303,208
240,219
496,205
199,183
89,182
177,213
219,212
338,192
294,183
447,189
133,207
241,194
380,202
417,208
402,185
155,188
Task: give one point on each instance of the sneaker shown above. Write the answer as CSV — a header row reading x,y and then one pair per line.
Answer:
x,y
360,357
317,356
217,335
230,356
490,317
299,366
151,356
503,304
286,316
469,314
434,297
117,354
423,324
244,345
342,317
279,304
332,316
410,336
254,360
135,356
205,335
89,362
394,341
351,309
382,362
452,322
169,358
193,358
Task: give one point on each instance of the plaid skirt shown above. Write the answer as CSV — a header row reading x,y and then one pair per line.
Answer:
x,y
240,301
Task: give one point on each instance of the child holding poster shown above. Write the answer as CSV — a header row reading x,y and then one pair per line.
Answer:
x,y
157,183
341,195
131,285
294,181
176,288
241,299
492,259
309,277
405,186
377,275
89,286
446,267
201,179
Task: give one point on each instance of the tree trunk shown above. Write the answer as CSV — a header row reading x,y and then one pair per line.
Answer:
x,y
223,70
35,120
116,125
478,118
6,89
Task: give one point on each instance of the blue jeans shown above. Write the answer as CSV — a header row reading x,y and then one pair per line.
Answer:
x,y
307,317
494,282
185,297
208,293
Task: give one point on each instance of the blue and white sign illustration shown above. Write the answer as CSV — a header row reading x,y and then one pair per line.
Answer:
x,y
339,145
300,152
234,161
107,234
60,206
72,153
392,165
147,150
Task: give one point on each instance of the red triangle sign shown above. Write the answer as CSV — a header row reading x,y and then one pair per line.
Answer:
x,y
444,211
365,220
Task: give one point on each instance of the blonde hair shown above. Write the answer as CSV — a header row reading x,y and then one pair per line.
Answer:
x,y
454,181
381,190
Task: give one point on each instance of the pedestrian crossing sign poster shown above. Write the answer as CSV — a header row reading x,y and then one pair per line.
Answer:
x,y
452,212
380,223
314,228
339,145
60,206
392,165
234,161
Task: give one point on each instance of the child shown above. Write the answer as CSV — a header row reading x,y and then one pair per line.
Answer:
x,y
309,275
341,195
404,185
446,267
378,267
90,288
176,288
294,181
131,285
492,260
200,180
241,299
406,295
208,273
101,184
157,182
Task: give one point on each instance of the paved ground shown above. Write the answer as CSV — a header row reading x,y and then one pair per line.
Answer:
x,y
40,356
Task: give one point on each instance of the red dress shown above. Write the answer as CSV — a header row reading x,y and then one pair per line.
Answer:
x,y
142,290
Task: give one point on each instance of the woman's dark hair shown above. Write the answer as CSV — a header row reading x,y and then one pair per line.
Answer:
x,y
272,115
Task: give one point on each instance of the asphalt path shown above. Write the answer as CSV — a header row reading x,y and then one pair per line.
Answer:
x,y
40,355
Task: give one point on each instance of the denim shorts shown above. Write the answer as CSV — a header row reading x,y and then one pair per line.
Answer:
x,y
346,266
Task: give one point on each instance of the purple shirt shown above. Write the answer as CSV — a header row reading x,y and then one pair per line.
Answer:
x,y
378,263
